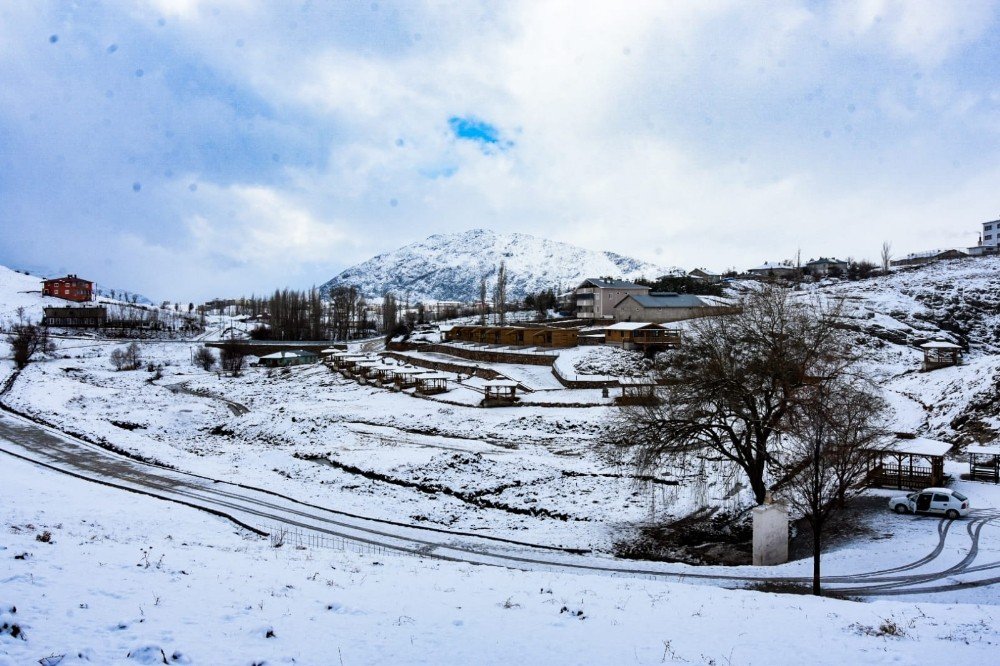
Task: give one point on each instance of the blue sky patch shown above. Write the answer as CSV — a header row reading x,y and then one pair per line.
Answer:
x,y
470,128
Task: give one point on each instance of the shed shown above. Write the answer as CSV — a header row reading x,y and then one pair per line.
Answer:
x,y
939,354
431,383
287,358
984,463
913,463
499,392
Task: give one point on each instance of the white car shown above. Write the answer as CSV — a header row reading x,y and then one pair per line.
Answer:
x,y
941,501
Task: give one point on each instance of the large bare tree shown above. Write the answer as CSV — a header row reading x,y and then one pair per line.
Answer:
x,y
830,432
729,388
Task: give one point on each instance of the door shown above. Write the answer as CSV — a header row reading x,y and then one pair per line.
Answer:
x,y
939,503
924,502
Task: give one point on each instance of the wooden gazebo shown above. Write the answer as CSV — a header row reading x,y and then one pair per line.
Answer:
x,y
499,392
406,377
984,463
431,383
911,463
938,354
637,391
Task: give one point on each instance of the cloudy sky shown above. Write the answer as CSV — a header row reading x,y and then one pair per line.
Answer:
x,y
188,149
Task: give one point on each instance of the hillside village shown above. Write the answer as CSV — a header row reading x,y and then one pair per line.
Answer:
x,y
480,426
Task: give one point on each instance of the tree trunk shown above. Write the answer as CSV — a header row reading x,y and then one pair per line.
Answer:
x,y
816,554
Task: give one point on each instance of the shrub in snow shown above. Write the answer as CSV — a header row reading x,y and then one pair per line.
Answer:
x,y
8,627
148,654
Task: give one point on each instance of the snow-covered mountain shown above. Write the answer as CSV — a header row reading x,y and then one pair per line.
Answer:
x,y
450,266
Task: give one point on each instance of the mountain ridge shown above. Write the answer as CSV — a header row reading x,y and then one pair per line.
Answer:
x,y
449,267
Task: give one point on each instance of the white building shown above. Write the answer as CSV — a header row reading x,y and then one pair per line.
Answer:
x,y
991,233
596,298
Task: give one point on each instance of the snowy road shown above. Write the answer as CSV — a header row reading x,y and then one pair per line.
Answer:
x,y
251,507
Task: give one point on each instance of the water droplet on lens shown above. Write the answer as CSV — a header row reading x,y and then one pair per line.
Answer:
x,y
193,187
53,39
136,186
393,203
112,48
139,73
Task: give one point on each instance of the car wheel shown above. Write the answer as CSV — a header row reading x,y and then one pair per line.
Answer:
x,y
902,508
951,514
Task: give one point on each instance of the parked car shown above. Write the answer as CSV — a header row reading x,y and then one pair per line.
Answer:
x,y
939,501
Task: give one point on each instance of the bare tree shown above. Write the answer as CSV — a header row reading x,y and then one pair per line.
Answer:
x,y
127,358
886,256
204,358
728,390
390,313
500,294
831,432
482,301
232,356
27,340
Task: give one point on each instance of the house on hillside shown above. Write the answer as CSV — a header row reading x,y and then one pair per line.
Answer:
x,y
772,270
821,267
706,275
920,258
75,317
69,288
991,234
659,307
596,298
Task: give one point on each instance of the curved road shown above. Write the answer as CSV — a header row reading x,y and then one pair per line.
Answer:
x,y
253,507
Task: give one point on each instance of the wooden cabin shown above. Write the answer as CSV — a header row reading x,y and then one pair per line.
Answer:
x,y
938,354
499,392
431,383
514,336
984,463
911,463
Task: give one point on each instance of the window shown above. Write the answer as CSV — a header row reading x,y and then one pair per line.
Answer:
x,y
959,496
940,498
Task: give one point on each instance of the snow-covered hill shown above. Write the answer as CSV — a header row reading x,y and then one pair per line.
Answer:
x,y
957,300
450,266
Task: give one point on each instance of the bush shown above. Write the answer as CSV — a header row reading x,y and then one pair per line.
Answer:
x,y
204,358
129,358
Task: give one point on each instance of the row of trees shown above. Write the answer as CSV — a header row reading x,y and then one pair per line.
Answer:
x,y
775,391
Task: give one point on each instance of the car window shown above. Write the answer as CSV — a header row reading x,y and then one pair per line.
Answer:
x,y
959,496
940,498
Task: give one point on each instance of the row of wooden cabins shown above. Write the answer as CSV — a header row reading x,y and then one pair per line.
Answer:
x,y
630,335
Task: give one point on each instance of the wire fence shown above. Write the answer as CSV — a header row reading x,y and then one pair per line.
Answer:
x,y
294,537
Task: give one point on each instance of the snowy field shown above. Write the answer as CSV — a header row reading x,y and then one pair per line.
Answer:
x,y
143,581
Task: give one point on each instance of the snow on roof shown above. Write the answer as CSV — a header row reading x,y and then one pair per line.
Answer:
x,y
637,381
500,383
926,254
985,450
434,375
611,284
824,260
628,326
288,354
919,446
773,266
704,271
333,351
938,344
444,328
668,300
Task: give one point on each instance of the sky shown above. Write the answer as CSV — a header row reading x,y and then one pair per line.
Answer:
x,y
190,149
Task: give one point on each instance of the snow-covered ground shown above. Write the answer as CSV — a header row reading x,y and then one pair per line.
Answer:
x,y
142,581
